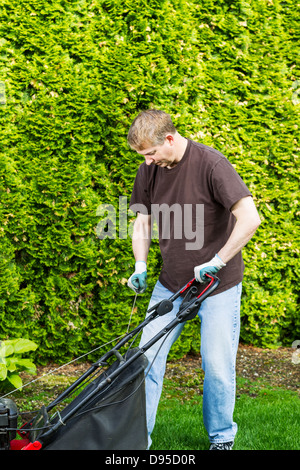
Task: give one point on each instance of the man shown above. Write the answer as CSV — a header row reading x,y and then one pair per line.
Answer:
x,y
203,197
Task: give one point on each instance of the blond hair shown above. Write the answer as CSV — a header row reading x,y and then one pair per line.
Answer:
x,y
149,129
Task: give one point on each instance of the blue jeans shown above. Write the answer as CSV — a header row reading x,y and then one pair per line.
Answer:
x,y
220,328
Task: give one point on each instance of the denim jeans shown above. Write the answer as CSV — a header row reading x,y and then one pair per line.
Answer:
x,y
220,328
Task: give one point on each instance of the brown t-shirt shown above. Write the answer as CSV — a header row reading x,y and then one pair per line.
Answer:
x,y
191,203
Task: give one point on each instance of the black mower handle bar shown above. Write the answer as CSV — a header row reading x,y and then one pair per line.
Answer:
x,y
187,310
191,288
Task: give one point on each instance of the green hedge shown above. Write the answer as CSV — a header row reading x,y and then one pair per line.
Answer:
x,y
73,76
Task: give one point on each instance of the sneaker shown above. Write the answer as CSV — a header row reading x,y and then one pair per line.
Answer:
x,y
221,446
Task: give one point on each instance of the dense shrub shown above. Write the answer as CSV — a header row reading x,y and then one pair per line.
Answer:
x,y
73,76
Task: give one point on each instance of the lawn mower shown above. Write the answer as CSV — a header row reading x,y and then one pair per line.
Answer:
x,y
108,411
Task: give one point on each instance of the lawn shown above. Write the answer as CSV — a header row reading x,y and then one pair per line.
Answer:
x,y
267,418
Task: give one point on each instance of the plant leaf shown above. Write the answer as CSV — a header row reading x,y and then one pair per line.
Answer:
x,y
22,345
3,372
6,349
15,380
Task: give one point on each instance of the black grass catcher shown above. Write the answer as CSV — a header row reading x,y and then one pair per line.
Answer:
x,y
108,412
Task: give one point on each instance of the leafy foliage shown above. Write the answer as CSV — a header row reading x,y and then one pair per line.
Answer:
x,y
12,362
75,75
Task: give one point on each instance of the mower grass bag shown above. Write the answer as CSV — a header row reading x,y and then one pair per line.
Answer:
x,y
114,418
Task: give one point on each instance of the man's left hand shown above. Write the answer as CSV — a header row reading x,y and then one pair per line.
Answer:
x,y
212,267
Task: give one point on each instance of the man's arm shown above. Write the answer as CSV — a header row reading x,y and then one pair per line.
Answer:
x,y
141,237
141,240
247,221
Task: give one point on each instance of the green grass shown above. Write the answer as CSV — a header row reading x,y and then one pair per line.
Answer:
x,y
267,418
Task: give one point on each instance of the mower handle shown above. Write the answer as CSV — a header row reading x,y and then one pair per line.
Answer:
x,y
191,303
165,306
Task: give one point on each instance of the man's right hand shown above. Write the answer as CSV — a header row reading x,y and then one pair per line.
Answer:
x,y
138,280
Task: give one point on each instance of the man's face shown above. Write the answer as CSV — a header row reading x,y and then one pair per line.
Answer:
x,y
161,155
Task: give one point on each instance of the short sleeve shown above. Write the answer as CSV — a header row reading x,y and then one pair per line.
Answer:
x,y
140,201
227,185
